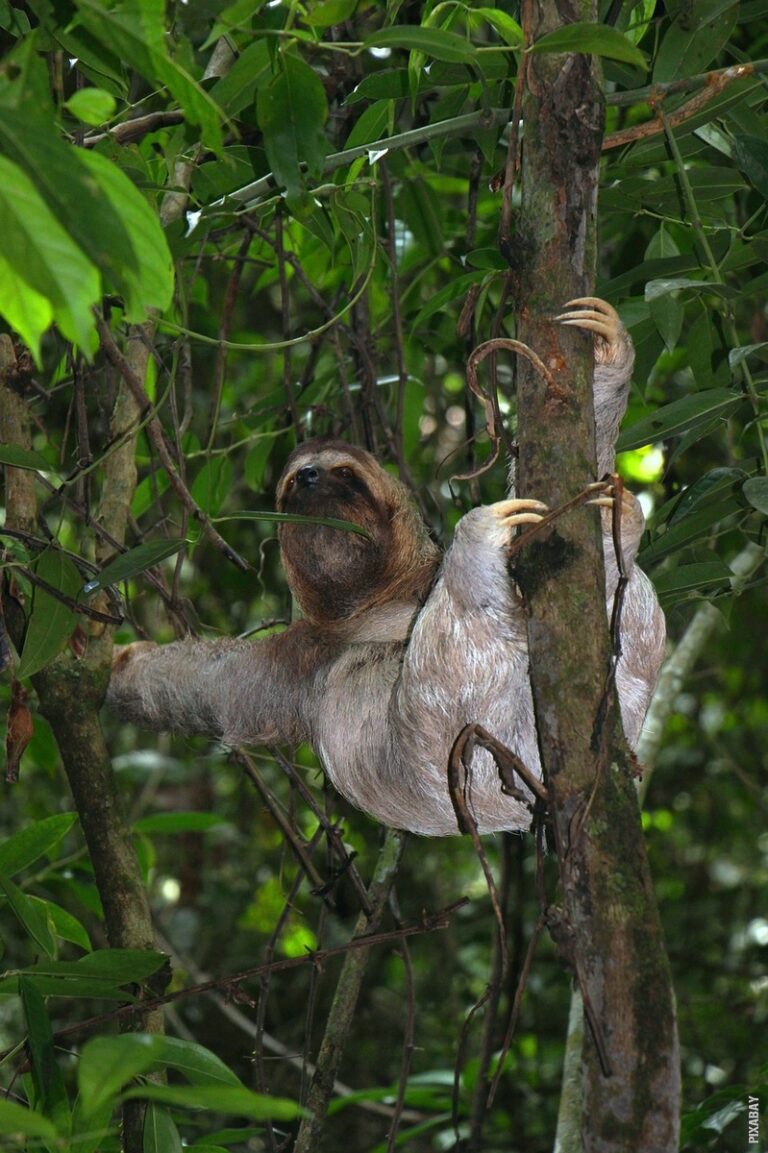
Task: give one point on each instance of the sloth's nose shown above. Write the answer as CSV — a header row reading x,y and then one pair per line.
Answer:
x,y
308,476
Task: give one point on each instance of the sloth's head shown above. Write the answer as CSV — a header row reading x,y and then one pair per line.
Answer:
x,y
336,574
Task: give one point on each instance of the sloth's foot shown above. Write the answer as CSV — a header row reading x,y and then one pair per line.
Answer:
x,y
630,505
597,316
627,527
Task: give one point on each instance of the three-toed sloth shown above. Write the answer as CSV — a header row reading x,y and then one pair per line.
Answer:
x,y
399,649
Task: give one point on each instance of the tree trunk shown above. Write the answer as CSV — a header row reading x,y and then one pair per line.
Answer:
x,y
609,929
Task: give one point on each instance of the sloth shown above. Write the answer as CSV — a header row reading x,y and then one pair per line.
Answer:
x,y
398,650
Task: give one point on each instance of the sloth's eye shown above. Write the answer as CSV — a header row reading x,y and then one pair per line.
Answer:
x,y
344,472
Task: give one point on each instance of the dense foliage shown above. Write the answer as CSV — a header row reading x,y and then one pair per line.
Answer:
x,y
282,220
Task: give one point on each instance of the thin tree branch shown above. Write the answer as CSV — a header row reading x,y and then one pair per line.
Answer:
x,y
157,436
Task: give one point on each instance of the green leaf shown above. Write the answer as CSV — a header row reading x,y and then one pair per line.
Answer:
x,y
694,39
52,622
50,1090
389,84
147,283
66,987
679,416
65,926
92,105
221,1098
592,40
136,30
26,310
135,561
160,1132
252,70
109,1063
453,290
738,355
291,112
64,178
296,518
198,1064
687,578
16,1121
662,287
97,974
22,849
756,492
213,484
668,314
751,155
695,525
120,966
32,917
329,12
434,42
637,18
179,823
509,29
372,125
23,458
40,262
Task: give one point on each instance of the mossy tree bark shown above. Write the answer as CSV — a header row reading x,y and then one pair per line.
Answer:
x,y
608,929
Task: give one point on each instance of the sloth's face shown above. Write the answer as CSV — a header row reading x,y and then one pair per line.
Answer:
x,y
329,482
333,572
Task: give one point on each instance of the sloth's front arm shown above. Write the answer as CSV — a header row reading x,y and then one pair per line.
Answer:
x,y
237,691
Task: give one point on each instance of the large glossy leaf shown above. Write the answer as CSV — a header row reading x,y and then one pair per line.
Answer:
x,y
45,265
52,622
291,111
26,846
